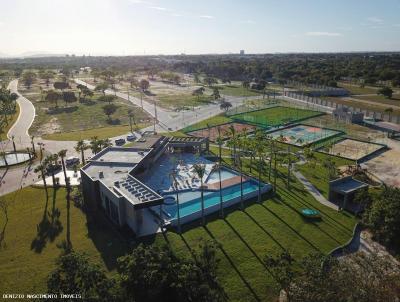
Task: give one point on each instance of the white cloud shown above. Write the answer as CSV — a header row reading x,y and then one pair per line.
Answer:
x,y
346,28
158,8
140,2
248,22
375,20
323,34
177,15
206,17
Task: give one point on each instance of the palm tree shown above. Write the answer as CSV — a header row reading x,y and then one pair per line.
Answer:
x,y
94,145
175,185
219,141
62,153
41,168
260,153
81,146
33,144
289,166
219,165
200,170
51,162
242,139
131,117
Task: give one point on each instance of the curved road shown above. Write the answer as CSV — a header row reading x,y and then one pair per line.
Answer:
x,y
15,178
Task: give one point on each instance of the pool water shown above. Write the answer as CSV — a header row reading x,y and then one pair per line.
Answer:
x,y
225,174
190,202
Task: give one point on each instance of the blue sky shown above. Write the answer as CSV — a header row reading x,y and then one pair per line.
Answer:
x,y
131,27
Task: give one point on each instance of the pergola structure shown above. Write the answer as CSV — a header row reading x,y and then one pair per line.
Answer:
x,y
343,190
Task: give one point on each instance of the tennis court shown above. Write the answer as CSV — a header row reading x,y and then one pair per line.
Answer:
x,y
225,129
275,116
303,135
352,149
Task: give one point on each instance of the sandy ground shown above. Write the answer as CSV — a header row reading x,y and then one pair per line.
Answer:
x,y
353,149
386,166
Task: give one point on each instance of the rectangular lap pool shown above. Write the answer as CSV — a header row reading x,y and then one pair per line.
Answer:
x,y
190,201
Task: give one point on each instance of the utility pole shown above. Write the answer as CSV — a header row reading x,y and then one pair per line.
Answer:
x,y
155,115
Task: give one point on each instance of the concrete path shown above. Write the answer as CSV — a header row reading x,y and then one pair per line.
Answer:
x,y
25,118
172,120
313,191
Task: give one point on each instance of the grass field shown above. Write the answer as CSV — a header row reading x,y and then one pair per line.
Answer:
x,y
34,231
237,90
11,120
101,133
275,116
356,89
212,121
183,100
317,174
394,101
79,115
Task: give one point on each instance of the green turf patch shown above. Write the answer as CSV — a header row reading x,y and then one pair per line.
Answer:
x,y
275,116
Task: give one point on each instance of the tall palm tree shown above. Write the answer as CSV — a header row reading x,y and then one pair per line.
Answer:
x,y
241,144
131,118
232,132
41,168
260,149
50,162
81,146
220,141
33,144
62,154
94,145
175,185
289,166
200,170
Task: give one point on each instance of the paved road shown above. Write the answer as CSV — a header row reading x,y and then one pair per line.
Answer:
x,y
168,119
14,178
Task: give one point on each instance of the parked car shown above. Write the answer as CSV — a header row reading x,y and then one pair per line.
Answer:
x,y
131,137
53,168
120,141
71,161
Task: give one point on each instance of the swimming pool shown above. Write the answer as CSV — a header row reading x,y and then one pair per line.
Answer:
x,y
225,174
190,201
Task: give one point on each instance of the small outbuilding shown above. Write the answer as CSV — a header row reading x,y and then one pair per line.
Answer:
x,y
343,190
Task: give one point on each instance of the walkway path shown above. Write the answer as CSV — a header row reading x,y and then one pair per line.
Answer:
x,y
314,192
169,119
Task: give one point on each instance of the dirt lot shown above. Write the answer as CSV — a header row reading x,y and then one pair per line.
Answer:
x,y
387,165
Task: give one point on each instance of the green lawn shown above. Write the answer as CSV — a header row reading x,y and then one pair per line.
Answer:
x,y
36,229
101,133
245,238
394,101
183,100
275,116
11,120
237,90
356,89
78,115
358,104
317,174
212,121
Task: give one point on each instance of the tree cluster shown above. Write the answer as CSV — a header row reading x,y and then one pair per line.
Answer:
x,y
148,274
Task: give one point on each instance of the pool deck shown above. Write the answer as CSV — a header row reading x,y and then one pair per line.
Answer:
x,y
226,183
